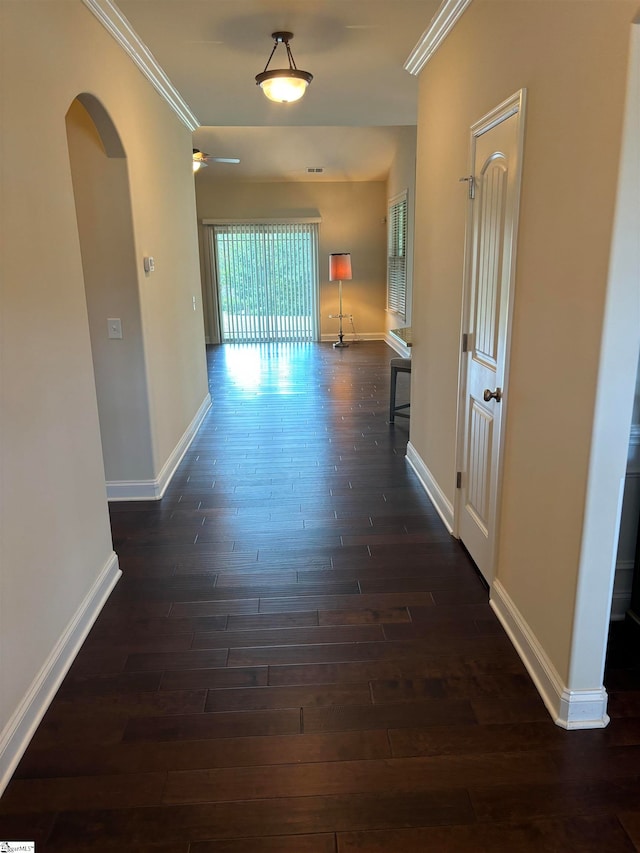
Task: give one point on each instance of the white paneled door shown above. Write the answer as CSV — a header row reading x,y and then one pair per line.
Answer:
x,y
494,190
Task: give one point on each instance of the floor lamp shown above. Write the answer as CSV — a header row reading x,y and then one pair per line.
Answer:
x,y
339,270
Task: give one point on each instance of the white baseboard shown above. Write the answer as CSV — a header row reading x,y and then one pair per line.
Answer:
x,y
350,338
153,490
16,735
443,505
570,709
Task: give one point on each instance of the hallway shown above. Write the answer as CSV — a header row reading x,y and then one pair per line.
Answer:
x,y
300,659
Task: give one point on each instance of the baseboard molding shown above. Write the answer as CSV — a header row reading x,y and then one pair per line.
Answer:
x,y
353,339
570,709
443,505
153,490
20,729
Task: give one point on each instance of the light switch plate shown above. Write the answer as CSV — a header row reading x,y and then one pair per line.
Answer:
x,y
114,326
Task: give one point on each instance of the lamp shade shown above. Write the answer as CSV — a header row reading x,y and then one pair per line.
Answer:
x,y
340,267
285,86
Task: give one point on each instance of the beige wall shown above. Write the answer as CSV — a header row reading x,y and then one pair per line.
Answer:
x,y
571,57
55,540
352,221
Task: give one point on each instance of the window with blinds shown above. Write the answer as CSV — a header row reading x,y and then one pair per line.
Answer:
x,y
267,281
397,255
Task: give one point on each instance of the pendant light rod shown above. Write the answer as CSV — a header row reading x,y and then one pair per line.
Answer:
x,y
281,37
283,85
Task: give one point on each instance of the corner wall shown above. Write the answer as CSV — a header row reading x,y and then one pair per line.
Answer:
x,y
57,563
572,59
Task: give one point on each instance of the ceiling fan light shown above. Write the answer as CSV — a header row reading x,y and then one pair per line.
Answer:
x,y
283,85
199,159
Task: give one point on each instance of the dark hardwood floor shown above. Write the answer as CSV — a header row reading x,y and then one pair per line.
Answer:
x,y
300,659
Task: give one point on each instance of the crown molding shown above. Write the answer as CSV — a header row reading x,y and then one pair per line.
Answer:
x,y
119,27
441,25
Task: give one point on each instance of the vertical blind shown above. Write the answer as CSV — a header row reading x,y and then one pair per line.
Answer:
x,y
267,281
397,256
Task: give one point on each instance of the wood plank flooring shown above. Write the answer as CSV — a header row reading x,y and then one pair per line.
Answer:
x,y
300,659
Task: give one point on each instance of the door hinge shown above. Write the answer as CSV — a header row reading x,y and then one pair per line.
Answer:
x,y
465,342
458,479
472,185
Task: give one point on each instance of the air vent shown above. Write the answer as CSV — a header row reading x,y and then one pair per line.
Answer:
x,y
316,170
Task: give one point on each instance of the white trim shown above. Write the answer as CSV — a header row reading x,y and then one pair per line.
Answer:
x,y
133,490
570,709
267,220
395,344
119,27
153,490
328,337
16,735
441,25
443,505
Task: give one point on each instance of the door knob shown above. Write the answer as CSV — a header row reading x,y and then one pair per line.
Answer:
x,y
492,395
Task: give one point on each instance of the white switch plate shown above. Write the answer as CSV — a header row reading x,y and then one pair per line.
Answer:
x,y
114,326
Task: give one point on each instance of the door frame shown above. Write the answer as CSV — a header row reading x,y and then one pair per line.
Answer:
x,y
514,105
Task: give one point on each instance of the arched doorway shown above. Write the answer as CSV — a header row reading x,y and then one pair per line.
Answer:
x,y
105,230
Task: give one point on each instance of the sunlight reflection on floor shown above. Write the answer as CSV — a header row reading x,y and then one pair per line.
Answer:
x,y
254,368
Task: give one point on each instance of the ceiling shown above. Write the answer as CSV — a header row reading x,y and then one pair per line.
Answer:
x,y
350,119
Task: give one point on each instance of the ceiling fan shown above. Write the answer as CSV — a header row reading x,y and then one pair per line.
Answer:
x,y
200,159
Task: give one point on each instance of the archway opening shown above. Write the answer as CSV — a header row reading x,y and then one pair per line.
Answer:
x,y
105,230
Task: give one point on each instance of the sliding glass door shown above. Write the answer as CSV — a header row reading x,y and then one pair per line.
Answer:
x,y
267,281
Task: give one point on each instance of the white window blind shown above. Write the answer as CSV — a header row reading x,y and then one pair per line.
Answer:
x,y
397,255
267,281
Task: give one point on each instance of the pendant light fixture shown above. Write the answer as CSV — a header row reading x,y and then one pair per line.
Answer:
x,y
283,85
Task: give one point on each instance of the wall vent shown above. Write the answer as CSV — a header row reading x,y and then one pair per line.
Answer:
x,y
315,169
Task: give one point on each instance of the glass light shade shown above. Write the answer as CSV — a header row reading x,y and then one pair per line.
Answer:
x,y
340,267
197,164
284,89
